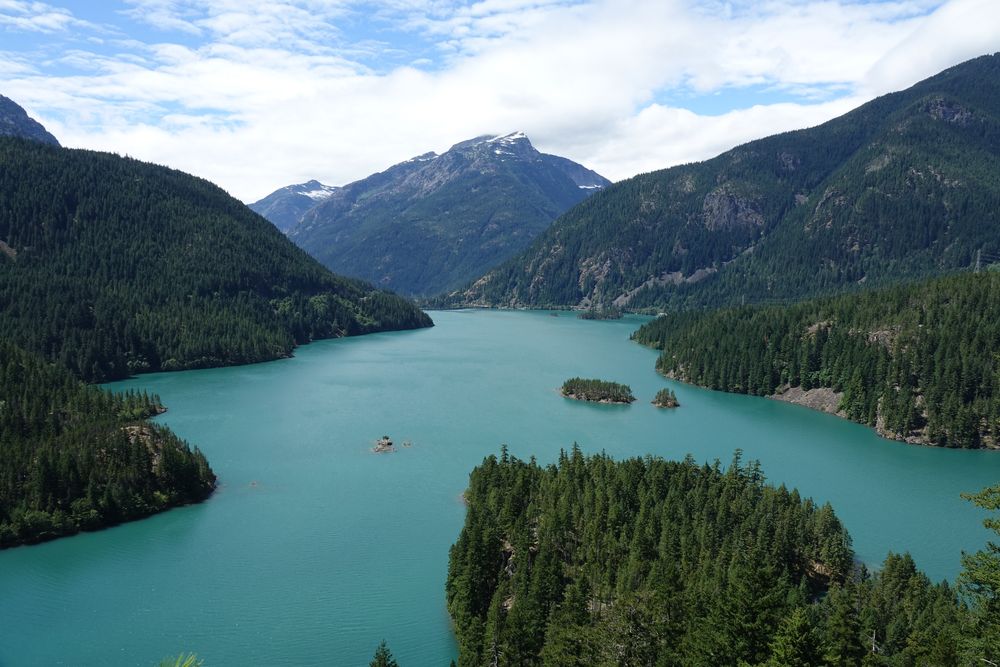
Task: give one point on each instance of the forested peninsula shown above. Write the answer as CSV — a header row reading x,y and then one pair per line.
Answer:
x,y
74,457
651,562
916,362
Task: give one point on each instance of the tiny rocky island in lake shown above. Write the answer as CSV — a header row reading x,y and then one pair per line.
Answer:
x,y
597,391
665,398
383,445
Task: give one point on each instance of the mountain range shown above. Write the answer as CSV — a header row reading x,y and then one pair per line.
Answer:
x,y
434,222
905,186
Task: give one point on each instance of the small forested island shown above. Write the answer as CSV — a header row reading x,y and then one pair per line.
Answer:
x,y
916,362
652,562
601,314
665,398
78,458
598,391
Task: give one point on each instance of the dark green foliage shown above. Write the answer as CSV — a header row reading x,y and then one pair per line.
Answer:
x,y
597,390
917,361
796,642
665,398
74,458
650,562
980,580
901,188
435,222
383,657
112,266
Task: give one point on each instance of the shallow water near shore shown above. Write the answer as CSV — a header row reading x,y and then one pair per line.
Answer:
x,y
314,548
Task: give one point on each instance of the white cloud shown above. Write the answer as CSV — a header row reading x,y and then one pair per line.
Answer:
x,y
264,94
37,17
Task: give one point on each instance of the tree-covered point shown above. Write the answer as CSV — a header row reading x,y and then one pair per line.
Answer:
x,y
916,361
112,266
74,457
650,562
666,398
600,391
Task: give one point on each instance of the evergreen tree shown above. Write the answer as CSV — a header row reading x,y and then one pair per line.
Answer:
x,y
796,643
383,657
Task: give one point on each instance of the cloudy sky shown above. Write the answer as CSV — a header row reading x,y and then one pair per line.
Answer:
x,y
255,95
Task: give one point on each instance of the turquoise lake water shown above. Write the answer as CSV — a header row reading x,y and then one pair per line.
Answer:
x,y
314,549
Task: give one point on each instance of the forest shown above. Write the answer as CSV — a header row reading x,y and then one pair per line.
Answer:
x,y
77,458
650,562
597,390
918,362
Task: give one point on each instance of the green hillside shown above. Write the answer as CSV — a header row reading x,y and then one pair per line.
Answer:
x,y
917,362
903,187
113,266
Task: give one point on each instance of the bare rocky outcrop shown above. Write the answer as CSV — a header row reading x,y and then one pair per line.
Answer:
x,y
949,111
724,209
823,399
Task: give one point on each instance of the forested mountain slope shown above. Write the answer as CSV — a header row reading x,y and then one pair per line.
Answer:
x,y
434,222
918,362
113,266
902,187
652,562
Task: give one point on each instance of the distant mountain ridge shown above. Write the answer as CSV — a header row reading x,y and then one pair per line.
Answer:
x,y
285,207
15,122
433,222
903,187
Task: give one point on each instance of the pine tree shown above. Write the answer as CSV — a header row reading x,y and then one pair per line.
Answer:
x,y
796,643
383,657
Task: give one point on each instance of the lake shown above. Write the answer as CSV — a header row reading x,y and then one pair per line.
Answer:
x,y
314,548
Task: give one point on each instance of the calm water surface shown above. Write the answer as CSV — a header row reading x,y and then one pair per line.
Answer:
x,y
314,548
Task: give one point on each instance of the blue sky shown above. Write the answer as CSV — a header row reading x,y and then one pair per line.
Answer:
x,y
255,95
